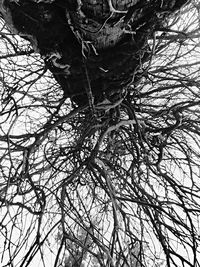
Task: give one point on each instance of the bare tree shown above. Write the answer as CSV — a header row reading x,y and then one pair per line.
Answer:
x,y
99,133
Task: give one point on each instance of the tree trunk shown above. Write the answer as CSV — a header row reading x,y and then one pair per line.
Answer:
x,y
94,48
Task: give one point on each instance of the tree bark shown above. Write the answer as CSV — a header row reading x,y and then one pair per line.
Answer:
x,y
94,48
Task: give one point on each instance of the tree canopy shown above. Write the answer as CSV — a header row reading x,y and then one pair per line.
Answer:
x,y
99,133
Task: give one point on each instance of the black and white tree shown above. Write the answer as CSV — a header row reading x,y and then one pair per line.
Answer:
x,y
99,133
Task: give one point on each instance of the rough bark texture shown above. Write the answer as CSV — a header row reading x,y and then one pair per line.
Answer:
x,y
94,48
